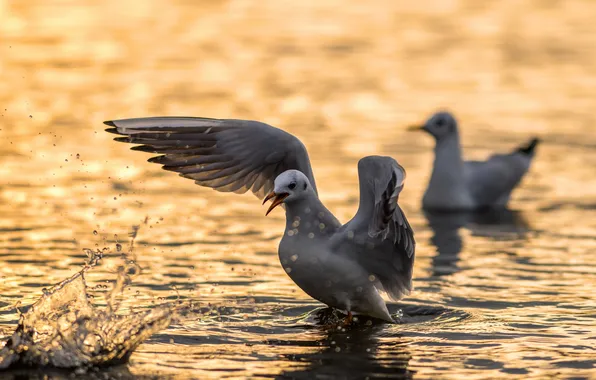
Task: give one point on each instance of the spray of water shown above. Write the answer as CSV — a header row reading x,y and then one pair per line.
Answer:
x,y
64,329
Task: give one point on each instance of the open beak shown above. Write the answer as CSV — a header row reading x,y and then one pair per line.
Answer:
x,y
415,128
277,200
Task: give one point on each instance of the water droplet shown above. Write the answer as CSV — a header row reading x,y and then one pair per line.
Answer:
x,y
288,270
337,349
94,232
78,156
322,226
118,247
311,235
132,270
290,232
294,257
371,278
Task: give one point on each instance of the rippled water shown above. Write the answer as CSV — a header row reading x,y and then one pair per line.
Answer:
x,y
500,294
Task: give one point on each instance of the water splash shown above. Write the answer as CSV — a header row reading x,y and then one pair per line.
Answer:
x,y
63,329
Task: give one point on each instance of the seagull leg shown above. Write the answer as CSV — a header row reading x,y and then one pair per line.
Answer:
x,y
349,319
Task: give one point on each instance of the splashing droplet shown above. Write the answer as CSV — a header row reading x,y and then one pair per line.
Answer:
x,y
64,329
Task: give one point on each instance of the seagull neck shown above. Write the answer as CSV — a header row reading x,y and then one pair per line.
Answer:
x,y
448,158
310,213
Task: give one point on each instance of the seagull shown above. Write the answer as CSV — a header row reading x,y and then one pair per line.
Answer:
x,y
458,185
348,267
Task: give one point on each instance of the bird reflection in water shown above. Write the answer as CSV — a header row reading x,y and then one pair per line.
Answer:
x,y
356,352
496,224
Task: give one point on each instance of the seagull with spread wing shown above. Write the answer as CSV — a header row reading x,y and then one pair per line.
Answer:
x,y
347,266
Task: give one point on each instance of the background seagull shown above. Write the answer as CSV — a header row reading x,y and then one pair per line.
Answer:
x,y
344,266
456,184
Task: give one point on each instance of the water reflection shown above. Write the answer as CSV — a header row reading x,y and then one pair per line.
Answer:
x,y
360,352
121,372
492,223
510,69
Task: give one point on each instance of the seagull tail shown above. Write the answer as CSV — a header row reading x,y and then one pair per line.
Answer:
x,y
528,149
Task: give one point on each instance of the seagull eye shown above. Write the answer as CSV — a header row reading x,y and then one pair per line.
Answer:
x,y
292,186
439,123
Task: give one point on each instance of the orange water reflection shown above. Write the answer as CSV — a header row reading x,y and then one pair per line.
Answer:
x,y
345,78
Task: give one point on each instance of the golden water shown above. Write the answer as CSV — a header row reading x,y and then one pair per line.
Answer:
x,y
516,292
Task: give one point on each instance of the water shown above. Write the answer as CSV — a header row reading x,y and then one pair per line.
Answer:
x,y
65,329
505,294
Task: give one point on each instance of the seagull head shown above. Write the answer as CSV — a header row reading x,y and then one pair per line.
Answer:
x,y
439,125
289,186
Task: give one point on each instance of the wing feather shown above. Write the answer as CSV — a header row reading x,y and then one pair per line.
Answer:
x,y
225,154
379,237
491,182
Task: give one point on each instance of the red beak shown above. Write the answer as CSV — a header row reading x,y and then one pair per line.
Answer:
x,y
277,200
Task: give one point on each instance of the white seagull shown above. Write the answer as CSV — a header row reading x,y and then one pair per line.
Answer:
x,y
458,185
347,267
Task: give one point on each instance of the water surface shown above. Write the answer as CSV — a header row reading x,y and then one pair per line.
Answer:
x,y
499,294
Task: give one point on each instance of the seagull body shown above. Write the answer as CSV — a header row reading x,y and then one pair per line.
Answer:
x,y
348,266
457,185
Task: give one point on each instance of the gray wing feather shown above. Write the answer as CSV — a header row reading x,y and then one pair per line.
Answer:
x,y
224,154
491,182
379,236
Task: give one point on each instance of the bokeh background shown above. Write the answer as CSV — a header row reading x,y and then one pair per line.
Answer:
x,y
516,291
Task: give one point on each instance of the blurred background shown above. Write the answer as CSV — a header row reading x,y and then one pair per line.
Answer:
x,y
516,290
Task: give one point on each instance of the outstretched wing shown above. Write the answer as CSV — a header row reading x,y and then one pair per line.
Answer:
x,y
224,154
379,236
492,181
